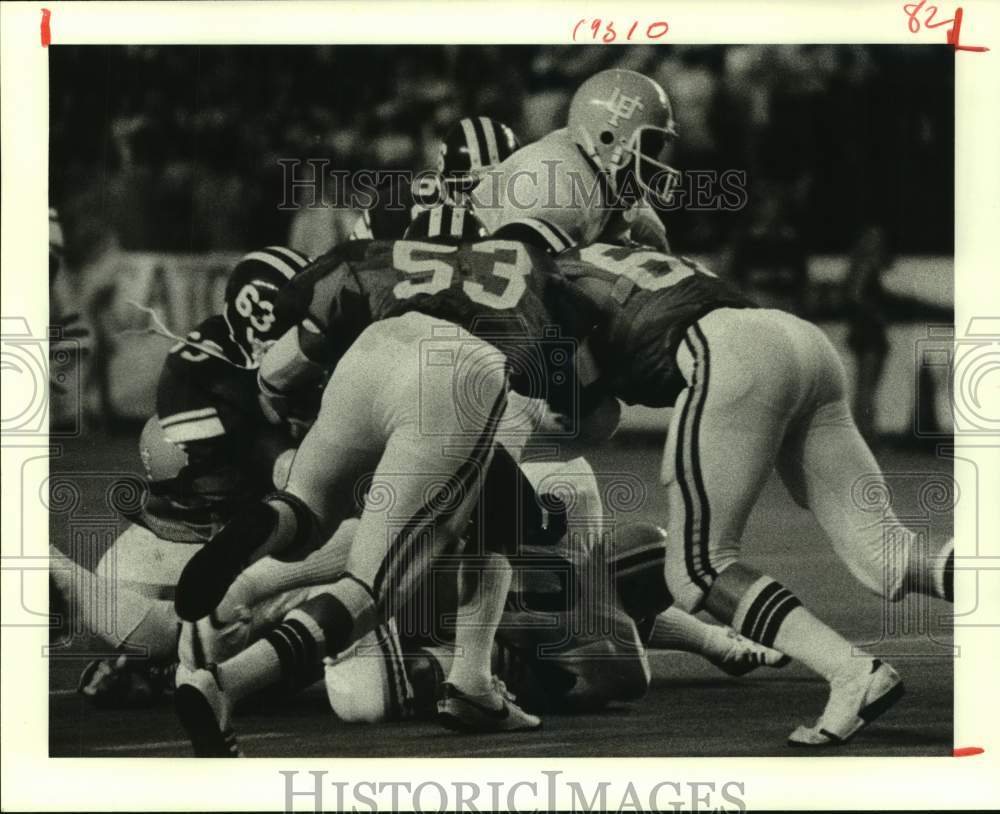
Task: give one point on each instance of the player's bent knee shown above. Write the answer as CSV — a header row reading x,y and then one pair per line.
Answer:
x,y
340,615
369,683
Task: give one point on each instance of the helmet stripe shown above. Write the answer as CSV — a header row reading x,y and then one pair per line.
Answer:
x,y
199,429
491,139
434,224
472,140
457,221
188,415
274,262
297,258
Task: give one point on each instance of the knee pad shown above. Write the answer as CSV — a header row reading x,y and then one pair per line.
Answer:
x,y
307,531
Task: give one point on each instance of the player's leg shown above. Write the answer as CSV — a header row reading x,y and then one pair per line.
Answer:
x,y
340,448
635,566
420,498
830,469
746,382
124,618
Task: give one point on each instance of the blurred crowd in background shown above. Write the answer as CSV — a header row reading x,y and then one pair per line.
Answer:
x,y
176,148
847,150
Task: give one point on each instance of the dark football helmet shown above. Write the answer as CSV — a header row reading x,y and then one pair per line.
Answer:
x,y
470,148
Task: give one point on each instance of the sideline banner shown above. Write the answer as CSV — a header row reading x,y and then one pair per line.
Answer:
x,y
182,289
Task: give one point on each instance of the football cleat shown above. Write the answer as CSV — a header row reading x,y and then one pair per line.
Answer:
x,y
854,703
204,711
461,712
123,683
736,655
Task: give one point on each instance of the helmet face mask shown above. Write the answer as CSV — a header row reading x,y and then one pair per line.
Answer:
x,y
650,145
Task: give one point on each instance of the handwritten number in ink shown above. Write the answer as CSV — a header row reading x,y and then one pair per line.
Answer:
x,y
954,33
608,32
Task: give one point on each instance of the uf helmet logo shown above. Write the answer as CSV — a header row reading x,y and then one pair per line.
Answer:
x,y
620,106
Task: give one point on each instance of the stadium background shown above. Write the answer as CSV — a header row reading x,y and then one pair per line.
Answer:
x,y
164,168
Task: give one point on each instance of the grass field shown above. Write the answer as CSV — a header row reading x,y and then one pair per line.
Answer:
x,y
691,709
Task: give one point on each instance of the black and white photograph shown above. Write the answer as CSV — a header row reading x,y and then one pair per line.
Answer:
x,y
445,400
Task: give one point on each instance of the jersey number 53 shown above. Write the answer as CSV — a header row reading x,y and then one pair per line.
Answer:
x,y
431,267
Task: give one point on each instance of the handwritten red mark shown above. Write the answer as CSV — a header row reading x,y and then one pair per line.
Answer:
x,y
954,33
653,31
968,751
46,30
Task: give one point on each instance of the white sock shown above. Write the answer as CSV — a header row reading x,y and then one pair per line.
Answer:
x,y
770,614
676,630
476,626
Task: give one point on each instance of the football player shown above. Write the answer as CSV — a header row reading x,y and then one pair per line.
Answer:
x,y
753,390
471,148
408,418
599,177
209,450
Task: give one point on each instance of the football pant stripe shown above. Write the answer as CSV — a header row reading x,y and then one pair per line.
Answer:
x,y
684,472
428,515
491,140
472,141
403,691
699,481
400,553
386,654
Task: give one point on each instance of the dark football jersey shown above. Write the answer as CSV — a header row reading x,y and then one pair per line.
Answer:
x,y
639,303
498,290
207,404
